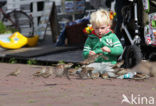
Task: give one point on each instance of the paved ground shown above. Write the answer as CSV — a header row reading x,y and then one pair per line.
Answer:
x,y
25,90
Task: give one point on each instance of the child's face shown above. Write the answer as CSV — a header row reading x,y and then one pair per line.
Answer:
x,y
101,30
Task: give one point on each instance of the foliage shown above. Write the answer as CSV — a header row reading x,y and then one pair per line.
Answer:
x,y
2,28
12,60
61,62
31,61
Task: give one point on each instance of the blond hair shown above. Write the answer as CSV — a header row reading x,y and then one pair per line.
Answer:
x,y
100,17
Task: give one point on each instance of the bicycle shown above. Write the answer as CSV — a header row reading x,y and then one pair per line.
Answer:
x,y
17,20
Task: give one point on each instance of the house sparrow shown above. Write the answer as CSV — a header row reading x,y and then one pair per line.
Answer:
x,y
68,65
143,67
66,73
86,72
118,64
122,71
15,73
153,70
92,58
72,71
104,76
48,73
59,70
39,73
62,70
94,75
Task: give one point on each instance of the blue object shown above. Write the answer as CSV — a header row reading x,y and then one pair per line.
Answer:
x,y
129,75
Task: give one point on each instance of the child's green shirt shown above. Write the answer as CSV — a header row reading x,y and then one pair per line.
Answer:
x,y
94,43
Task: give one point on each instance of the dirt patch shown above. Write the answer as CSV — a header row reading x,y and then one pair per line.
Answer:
x,y
27,90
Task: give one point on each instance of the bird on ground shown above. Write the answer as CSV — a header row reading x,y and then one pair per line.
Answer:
x,y
59,70
48,72
39,73
86,72
15,73
92,59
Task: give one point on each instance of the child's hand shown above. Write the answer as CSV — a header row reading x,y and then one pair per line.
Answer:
x,y
106,49
92,53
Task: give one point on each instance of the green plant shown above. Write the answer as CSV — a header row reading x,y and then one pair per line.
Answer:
x,y
12,60
61,62
31,61
2,28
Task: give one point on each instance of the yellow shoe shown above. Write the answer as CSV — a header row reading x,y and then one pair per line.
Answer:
x,y
32,41
15,41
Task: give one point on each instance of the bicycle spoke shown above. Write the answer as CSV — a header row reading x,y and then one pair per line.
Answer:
x,y
19,21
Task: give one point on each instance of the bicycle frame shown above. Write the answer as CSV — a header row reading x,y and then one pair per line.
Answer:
x,y
5,15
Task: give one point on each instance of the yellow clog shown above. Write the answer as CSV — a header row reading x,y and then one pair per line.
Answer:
x,y
17,40
32,41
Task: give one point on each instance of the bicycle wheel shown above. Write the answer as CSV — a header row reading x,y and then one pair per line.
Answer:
x,y
19,21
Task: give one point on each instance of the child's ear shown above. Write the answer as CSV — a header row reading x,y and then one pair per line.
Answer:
x,y
108,26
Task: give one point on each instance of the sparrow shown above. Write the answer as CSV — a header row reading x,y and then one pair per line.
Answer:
x,y
72,71
48,73
122,71
118,64
15,73
68,65
94,75
92,58
85,72
59,70
39,73
66,73
104,76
